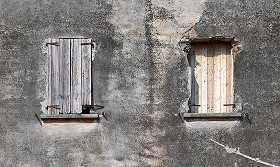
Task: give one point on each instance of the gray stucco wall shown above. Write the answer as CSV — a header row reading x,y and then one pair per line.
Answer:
x,y
140,76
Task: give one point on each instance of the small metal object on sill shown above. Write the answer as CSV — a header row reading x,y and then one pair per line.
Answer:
x,y
94,107
181,117
105,117
39,119
246,115
52,43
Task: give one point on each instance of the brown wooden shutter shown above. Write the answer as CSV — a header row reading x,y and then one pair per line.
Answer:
x,y
212,78
69,75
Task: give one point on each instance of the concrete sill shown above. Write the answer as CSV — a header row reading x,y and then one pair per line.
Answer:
x,y
212,116
70,118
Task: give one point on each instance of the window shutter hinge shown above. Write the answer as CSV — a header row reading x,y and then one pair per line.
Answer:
x,y
195,105
89,43
53,106
233,105
94,107
52,43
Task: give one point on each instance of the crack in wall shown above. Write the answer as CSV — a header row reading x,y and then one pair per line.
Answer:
x,y
237,151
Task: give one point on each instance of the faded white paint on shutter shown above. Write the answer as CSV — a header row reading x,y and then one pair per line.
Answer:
x,y
212,72
69,75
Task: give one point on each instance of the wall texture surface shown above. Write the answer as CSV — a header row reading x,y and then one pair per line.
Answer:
x,y
140,76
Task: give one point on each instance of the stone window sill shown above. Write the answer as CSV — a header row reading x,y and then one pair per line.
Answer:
x,y
212,116
70,118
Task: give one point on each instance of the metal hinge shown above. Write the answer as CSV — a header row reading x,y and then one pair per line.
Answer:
x,y
246,115
94,107
89,43
195,105
52,43
53,106
233,105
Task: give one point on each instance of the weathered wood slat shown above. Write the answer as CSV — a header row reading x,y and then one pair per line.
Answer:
x,y
86,72
223,76
76,76
49,83
53,77
204,83
210,77
217,79
65,75
229,79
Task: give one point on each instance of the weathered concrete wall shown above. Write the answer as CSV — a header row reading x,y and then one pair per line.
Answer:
x,y
140,76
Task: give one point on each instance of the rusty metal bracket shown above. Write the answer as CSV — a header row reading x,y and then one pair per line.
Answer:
x,y
94,107
105,117
233,105
89,43
53,106
52,43
195,105
39,119
181,116
246,115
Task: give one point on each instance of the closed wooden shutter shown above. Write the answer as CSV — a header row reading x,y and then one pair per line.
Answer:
x,y
212,78
69,75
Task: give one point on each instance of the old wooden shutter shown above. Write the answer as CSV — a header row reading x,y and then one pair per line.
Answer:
x,y
212,78
69,75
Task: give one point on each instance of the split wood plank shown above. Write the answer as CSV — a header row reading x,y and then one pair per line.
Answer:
x,y
76,75
86,71
229,80
217,79
65,54
223,76
53,77
210,78
204,83
49,83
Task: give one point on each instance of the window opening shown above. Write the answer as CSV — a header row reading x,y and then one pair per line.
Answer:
x,y
212,77
69,85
